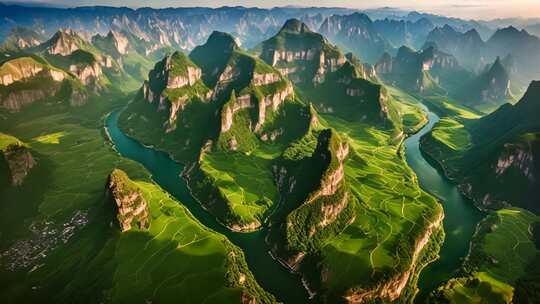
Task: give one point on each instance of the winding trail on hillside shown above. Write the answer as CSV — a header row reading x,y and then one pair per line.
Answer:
x,y
460,220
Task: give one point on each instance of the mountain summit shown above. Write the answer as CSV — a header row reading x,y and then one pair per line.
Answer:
x,y
295,26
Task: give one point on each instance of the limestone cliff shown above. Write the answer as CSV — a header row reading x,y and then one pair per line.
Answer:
x,y
24,68
63,43
120,42
392,289
87,73
328,208
304,56
131,206
20,161
493,84
172,84
25,80
21,38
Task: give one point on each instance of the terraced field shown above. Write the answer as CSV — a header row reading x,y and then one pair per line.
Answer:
x,y
393,211
408,107
491,272
452,134
68,198
246,181
177,255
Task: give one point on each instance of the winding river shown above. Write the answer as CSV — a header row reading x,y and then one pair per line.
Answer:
x,y
460,215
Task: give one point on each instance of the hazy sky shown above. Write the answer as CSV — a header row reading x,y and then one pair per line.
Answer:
x,y
480,9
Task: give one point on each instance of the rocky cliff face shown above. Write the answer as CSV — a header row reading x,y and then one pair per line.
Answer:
x,y
120,42
23,68
302,55
519,157
16,100
63,43
20,161
29,73
326,204
495,83
272,101
391,290
131,207
178,81
264,79
87,74
171,85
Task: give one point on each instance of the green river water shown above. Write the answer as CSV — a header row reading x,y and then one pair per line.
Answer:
x,y
460,216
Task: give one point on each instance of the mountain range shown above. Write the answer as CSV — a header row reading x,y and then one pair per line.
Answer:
x,y
247,155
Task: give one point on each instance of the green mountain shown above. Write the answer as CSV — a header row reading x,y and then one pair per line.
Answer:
x,y
492,274
296,156
67,215
428,71
28,79
466,47
209,109
21,38
498,164
334,82
69,68
303,56
492,86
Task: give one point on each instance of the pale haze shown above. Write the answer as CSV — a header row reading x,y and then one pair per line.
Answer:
x,y
480,9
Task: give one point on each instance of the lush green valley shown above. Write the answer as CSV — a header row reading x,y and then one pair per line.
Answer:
x,y
285,155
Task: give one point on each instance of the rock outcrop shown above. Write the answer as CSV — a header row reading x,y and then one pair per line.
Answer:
x,y
120,42
20,161
192,75
172,84
328,208
494,84
87,74
19,69
304,56
131,206
391,290
333,150
63,43
264,79
16,100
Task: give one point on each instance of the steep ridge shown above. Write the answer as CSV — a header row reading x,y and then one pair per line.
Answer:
x,y
29,79
472,52
332,81
21,38
131,207
503,151
327,205
20,161
428,70
300,54
466,47
210,107
492,86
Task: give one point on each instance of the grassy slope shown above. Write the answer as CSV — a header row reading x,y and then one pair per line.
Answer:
x,y
390,214
490,272
449,138
74,161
